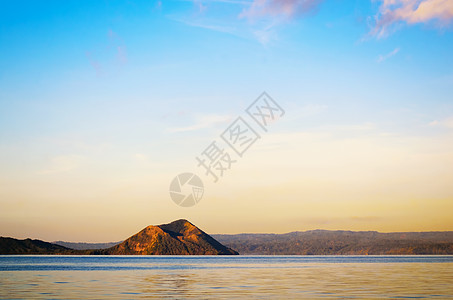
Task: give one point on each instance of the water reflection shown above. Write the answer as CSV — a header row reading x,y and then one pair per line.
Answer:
x,y
177,285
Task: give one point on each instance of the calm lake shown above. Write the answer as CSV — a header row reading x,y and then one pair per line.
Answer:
x,y
225,277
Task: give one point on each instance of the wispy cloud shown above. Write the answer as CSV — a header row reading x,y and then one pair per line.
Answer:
x,y
365,218
202,122
263,34
263,16
270,14
296,111
121,54
62,163
201,7
446,123
393,12
282,9
205,25
113,51
266,34
360,127
94,63
382,58
207,2
141,157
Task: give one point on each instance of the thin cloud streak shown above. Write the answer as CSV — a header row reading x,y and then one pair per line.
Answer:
x,y
382,58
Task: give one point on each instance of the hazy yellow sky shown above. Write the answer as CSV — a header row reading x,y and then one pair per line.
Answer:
x,y
354,178
103,104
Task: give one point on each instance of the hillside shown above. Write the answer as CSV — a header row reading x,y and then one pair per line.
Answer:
x,y
29,246
177,238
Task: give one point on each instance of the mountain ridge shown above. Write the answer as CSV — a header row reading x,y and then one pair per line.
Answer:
x,y
311,242
179,237
341,242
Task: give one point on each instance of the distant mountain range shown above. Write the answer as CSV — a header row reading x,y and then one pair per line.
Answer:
x,y
183,238
325,242
85,246
177,238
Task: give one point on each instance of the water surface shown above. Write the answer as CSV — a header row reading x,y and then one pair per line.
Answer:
x,y
225,277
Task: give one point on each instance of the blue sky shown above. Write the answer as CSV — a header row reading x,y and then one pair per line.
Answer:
x,y
106,101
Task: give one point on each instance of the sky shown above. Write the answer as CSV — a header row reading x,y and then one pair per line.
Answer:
x,y
103,103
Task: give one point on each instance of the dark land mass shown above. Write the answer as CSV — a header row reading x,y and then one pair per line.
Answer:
x,y
326,242
177,238
29,246
85,246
